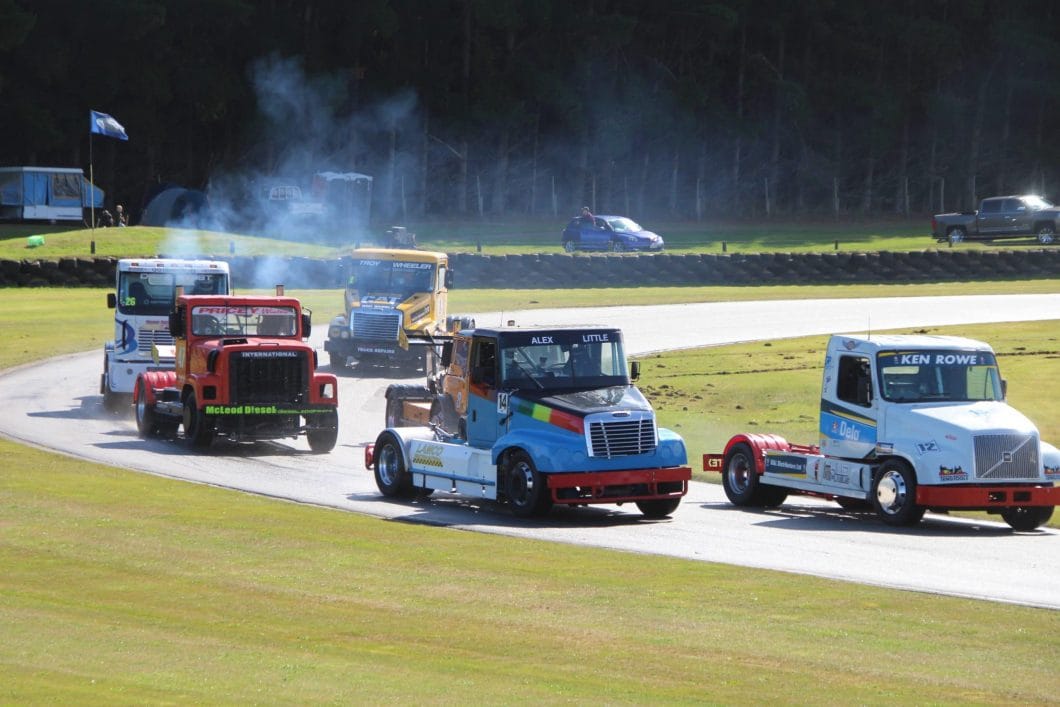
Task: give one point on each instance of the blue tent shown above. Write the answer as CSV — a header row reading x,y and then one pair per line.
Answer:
x,y
46,194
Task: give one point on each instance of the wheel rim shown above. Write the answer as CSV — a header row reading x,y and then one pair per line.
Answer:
x,y
568,246
739,473
1045,237
956,236
388,465
619,247
521,484
892,492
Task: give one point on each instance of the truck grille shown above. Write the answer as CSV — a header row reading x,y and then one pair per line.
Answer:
x,y
146,338
269,377
377,326
1006,457
621,438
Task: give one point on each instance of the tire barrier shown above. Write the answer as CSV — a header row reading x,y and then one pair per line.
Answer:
x,y
562,270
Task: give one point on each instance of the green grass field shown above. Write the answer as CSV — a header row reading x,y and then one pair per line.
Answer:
x,y
490,237
121,587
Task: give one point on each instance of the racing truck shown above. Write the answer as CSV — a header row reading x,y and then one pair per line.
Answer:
x,y
534,417
908,423
142,299
243,371
392,294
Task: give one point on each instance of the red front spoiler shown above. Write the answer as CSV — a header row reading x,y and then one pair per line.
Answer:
x,y
619,486
987,497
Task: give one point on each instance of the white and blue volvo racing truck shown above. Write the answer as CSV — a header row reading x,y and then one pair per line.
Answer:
x,y
144,291
908,423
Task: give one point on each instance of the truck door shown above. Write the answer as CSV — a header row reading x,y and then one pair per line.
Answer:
x,y
483,420
991,219
1017,216
848,407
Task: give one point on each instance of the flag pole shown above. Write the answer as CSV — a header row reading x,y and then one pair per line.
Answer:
x,y
91,187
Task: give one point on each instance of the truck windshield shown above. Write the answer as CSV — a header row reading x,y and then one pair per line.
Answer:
x,y
152,293
566,360
390,278
938,376
243,320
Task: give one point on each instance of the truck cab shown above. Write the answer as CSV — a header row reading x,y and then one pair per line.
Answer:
x,y
242,370
907,424
390,295
143,296
536,417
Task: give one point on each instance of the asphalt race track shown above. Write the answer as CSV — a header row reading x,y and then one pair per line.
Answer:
x,y
56,404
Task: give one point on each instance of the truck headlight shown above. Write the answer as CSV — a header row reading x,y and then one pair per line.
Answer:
x,y
334,332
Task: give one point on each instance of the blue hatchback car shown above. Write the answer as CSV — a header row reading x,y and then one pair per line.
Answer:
x,y
614,233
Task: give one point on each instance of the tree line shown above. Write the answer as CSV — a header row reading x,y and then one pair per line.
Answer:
x,y
675,109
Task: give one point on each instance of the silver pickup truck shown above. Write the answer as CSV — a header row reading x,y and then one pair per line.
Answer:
x,y
1000,217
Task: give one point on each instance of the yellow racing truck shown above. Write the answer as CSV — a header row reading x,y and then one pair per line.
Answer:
x,y
391,294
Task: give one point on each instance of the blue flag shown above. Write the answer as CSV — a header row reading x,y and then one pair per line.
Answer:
x,y
103,124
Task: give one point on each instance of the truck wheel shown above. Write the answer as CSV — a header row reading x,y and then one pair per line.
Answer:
x,y
337,362
528,491
323,435
391,476
198,426
739,477
1027,517
112,402
658,508
1046,234
894,494
145,414
956,235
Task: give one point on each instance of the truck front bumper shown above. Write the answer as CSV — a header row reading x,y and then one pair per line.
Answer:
x,y
619,486
981,497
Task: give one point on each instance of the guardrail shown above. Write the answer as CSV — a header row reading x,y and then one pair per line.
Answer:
x,y
561,270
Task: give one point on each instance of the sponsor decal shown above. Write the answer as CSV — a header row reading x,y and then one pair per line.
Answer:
x,y
398,265
849,344
926,447
542,340
270,354
950,437
429,455
785,464
952,473
837,475
551,416
938,359
259,410
883,448
595,338
1052,471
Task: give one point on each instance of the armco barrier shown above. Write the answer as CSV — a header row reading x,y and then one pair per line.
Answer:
x,y
561,270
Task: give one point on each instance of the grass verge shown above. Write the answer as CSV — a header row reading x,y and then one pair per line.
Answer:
x,y
123,587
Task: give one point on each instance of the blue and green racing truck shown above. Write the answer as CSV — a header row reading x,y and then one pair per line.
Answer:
x,y
535,417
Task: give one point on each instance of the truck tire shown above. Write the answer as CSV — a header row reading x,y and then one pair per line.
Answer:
x,y
323,434
527,489
1046,234
894,494
658,508
1027,517
337,362
743,484
198,426
145,414
391,477
396,394
957,234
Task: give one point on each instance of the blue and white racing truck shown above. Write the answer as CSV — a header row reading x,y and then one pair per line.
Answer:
x,y
144,291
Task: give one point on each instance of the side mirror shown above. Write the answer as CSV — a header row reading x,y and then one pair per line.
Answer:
x,y
307,325
112,300
448,279
1004,389
447,354
634,370
176,323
